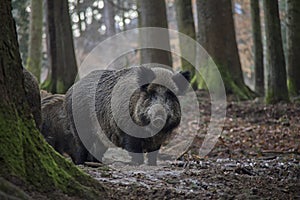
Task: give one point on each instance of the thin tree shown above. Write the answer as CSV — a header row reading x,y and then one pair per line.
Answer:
x,y
293,46
217,36
34,59
60,47
153,14
109,18
186,25
22,19
257,48
25,157
277,81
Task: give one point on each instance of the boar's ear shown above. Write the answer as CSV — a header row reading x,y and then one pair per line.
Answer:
x,y
145,76
181,80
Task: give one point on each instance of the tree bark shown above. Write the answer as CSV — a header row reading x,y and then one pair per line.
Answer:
x,y
24,154
293,46
34,59
217,36
186,25
69,73
109,18
277,81
257,48
153,14
60,47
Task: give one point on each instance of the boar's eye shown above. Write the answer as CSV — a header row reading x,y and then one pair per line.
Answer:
x,y
144,87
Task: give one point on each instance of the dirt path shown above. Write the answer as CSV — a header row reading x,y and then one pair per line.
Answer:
x,y
267,178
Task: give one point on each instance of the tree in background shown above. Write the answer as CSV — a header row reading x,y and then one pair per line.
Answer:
x,y
25,157
35,40
153,14
21,16
277,81
186,25
293,46
257,48
60,47
217,36
109,18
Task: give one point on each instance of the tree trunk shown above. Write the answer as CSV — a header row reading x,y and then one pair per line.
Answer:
x,y
153,14
69,73
25,156
186,25
277,84
293,46
257,48
60,47
109,18
34,59
217,36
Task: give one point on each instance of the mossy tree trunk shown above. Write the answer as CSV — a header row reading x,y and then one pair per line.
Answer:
x,y
34,59
61,52
186,25
25,156
277,80
217,36
257,48
293,46
153,14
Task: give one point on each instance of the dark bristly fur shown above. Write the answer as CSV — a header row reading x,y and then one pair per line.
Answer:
x,y
32,93
143,99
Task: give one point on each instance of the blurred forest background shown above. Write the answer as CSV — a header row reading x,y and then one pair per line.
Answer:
x,y
51,27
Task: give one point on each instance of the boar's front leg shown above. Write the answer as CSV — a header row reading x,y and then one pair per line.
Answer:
x,y
134,146
152,157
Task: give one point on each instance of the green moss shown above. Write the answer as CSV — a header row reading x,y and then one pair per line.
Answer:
x,y
271,98
34,68
292,88
10,191
61,88
57,172
11,134
46,85
239,90
26,155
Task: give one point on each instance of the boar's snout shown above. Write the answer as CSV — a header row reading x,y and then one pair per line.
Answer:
x,y
158,122
158,116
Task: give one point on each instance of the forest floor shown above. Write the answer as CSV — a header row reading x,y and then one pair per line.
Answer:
x,y
256,157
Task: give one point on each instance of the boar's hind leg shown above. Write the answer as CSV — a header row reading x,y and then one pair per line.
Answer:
x,y
134,147
79,153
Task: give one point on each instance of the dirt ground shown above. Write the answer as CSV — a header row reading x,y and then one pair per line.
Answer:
x,y
256,157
